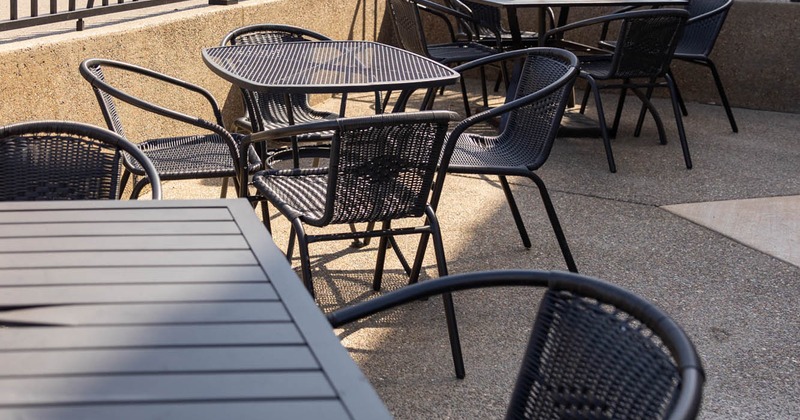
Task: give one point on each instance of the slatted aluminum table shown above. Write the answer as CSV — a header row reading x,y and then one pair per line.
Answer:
x,y
162,309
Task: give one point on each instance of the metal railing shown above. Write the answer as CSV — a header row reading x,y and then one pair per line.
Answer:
x,y
66,10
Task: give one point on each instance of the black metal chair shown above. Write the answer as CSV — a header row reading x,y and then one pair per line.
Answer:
x,y
411,36
595,350
61,160
699,36
213,153
643,51
529,123
271,109
381,168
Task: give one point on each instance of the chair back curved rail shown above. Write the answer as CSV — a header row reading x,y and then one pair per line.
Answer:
x,y
596,350
61,160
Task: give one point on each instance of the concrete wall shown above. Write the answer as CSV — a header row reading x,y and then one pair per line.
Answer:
x,y
757,55
39,77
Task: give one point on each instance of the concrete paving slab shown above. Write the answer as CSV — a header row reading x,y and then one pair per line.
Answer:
x,y
770,225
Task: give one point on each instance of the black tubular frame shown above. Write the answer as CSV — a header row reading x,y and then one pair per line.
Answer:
x,y
685,405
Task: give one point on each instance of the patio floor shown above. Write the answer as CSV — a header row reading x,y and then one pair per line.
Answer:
x,y
727,272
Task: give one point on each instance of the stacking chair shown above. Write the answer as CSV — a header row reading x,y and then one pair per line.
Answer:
x,y
381,169
699,36
702,29
271,110
60,160
595,349
643,51
530,118
411,36
211,153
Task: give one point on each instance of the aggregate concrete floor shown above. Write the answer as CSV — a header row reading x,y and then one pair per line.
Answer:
x,y
736,300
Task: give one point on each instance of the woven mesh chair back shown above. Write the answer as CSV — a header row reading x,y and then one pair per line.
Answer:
x,y
383,168
57,162
531,129
107,103
271,108
588,359
646,43
700,36
408,26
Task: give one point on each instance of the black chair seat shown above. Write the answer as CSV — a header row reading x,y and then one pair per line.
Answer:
x,y
301,196
474,152
189,157
459,53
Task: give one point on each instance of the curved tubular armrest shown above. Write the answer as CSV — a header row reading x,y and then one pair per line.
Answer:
x,y
710,13
273,27
438,286
133,100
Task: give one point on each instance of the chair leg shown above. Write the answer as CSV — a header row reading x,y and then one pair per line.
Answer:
x,y
585,99
484,91
662,135
722,95
123,181
680,97
618,114
515,212
679,122
379,264
465,98
305,261
138,187
265,216
290,247
447,298
419,258
642,112
551,214
224,192
601,117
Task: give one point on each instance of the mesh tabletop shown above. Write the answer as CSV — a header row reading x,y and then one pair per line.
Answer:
x,y
325,67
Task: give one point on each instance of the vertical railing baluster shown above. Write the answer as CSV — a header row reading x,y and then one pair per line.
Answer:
x,y
34,8
72,5
53,7
14,14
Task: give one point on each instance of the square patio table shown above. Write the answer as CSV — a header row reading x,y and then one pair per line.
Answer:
x,y
162,309
327,67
